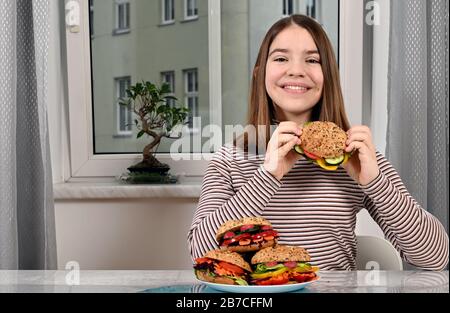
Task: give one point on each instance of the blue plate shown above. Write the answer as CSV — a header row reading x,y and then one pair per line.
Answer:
x,y
258,289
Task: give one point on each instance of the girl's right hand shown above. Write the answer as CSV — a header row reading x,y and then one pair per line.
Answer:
x,y
280,156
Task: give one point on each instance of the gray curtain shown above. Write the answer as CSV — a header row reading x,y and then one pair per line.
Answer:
x,y
417,136
27,222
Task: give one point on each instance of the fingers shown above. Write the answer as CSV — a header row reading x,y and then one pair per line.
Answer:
x,y
359,129
359,134
288,146
288,127
285,138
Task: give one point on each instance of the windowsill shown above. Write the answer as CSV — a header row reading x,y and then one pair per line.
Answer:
x,y
124,31
189,19
187,187
167,23
124,135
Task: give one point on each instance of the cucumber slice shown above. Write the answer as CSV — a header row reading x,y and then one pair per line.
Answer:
x,y
298,149
335,161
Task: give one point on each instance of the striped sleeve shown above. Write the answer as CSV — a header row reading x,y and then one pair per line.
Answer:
x,y
219,202
419,237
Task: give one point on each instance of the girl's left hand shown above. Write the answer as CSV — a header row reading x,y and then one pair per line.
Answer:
x,y
362,165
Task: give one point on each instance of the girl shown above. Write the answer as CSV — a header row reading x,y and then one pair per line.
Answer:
x,y
295,80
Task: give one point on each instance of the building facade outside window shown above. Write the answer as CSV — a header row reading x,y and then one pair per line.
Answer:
x,y
124,115
191,96
288,7
169,78
190,9
122,16
168,11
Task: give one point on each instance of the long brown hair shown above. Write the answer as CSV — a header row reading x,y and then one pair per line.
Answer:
x,y
331,105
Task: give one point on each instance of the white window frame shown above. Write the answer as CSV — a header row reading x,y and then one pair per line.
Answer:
x,y
165,21
186,10
191,94
127,16
171,83
128,114
85,164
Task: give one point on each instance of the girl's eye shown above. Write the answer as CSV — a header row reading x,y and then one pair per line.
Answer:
x,y
313,61
280,59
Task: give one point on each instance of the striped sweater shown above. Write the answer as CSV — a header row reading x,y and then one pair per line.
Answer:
x,y
315,209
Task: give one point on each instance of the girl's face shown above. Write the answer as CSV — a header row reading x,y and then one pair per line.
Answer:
x,y
294,78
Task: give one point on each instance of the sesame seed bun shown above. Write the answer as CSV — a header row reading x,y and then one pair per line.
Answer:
x,y
281,253
233,225
230,257
323,139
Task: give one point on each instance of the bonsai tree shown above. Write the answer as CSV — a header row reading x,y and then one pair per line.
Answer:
x,y
155,118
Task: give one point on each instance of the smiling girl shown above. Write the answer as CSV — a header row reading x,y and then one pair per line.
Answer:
x,y
296,80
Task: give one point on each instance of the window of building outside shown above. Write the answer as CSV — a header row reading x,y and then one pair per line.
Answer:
x,y
124,115
91,17
169,78
180,55
168,11
191,97
122,16
190,7
311,7
288,7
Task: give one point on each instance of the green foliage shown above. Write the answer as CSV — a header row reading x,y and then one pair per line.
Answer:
x,y
154,116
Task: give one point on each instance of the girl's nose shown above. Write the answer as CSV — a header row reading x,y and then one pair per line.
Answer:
x,y
296,69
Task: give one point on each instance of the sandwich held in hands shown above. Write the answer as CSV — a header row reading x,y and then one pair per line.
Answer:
x,y
246,234
222,267
323,143
281,265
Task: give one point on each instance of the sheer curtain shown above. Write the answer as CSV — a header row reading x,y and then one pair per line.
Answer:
x,y
27,222
418,103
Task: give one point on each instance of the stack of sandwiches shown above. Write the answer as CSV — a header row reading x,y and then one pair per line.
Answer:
x,y
254,239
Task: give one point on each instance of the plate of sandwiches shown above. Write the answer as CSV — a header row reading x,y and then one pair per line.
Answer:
x,y
272,268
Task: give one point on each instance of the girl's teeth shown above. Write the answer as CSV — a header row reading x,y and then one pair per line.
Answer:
x,y
295,87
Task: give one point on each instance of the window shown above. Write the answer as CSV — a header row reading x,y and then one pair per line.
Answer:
x,y
124,115
190,9
311,8
122,16
169,78
191,97
214,57
91,17
168,11
288,7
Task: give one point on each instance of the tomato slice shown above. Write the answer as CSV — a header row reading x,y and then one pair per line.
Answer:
x,y
269,233
229,235
242,236
226,243
245,227
266,227
303,277
270,264
203,260
310,155
292,264
231,267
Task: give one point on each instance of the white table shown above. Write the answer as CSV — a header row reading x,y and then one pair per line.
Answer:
x,y
184,281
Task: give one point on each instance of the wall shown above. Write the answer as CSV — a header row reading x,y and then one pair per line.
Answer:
x,y
124,234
